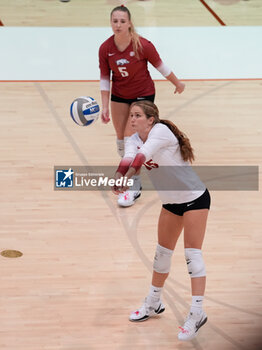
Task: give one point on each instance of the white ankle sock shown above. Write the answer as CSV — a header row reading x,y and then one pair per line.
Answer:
x,y
154,294
120,143
197,303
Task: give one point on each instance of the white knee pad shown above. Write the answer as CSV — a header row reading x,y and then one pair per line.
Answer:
x,y
120,144
162,259
195,262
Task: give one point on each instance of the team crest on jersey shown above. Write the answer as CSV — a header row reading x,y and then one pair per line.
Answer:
x,y
132,54
122,62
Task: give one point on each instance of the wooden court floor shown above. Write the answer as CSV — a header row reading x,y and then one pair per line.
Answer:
x,y
87,263
145,13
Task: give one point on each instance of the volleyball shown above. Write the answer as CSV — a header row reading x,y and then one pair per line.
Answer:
x,y
84,110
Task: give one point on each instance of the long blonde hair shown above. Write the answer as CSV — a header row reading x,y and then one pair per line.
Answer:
x,y
151,110
137,46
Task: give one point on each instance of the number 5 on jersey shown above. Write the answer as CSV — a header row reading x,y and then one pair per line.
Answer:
x,y
123,71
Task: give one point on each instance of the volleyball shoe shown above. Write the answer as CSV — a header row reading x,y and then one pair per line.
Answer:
x,y
191,326
127,198
146,311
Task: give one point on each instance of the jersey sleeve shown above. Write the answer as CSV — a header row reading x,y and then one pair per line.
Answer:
x,y
103,63
160,136
151,54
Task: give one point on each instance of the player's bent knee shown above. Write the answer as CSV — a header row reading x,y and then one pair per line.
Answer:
x,y
162,259
195,262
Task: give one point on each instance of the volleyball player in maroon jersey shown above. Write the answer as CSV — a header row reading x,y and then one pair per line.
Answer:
x,y
126,55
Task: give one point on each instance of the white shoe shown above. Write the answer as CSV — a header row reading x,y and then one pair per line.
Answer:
x,y
127,198
191,326
146,311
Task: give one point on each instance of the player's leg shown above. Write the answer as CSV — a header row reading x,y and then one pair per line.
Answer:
x,y
195,227
128,198
120,117
120,113
128,130
194,232
169,229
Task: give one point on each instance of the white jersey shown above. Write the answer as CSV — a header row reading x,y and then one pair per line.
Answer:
x,y
172,177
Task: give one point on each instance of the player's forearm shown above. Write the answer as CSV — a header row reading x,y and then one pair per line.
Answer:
x,y
105,99
128,167
136,165
131,172
123,166
173,79
168,74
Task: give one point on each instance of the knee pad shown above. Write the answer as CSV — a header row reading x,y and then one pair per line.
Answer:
x,y
162,259
120,147
195,262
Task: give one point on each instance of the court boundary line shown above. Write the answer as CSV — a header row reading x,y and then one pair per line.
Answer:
x,y
212,12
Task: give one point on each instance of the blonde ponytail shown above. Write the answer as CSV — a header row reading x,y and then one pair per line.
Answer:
x,y
137,46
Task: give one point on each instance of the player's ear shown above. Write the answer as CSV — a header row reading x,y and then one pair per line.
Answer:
x,y
152,120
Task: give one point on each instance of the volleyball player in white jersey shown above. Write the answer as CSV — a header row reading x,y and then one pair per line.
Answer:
x,y
167,152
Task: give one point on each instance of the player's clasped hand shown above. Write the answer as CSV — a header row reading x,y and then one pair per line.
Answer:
x,y
119,189
120,184
115,189
180,87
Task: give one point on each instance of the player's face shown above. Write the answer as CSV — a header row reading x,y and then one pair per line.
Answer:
x,y
120,22
139,121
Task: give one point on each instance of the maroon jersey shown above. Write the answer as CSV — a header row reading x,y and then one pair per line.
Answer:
x,y
130,75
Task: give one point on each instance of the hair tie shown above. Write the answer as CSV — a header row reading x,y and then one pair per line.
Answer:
x,y
122,5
